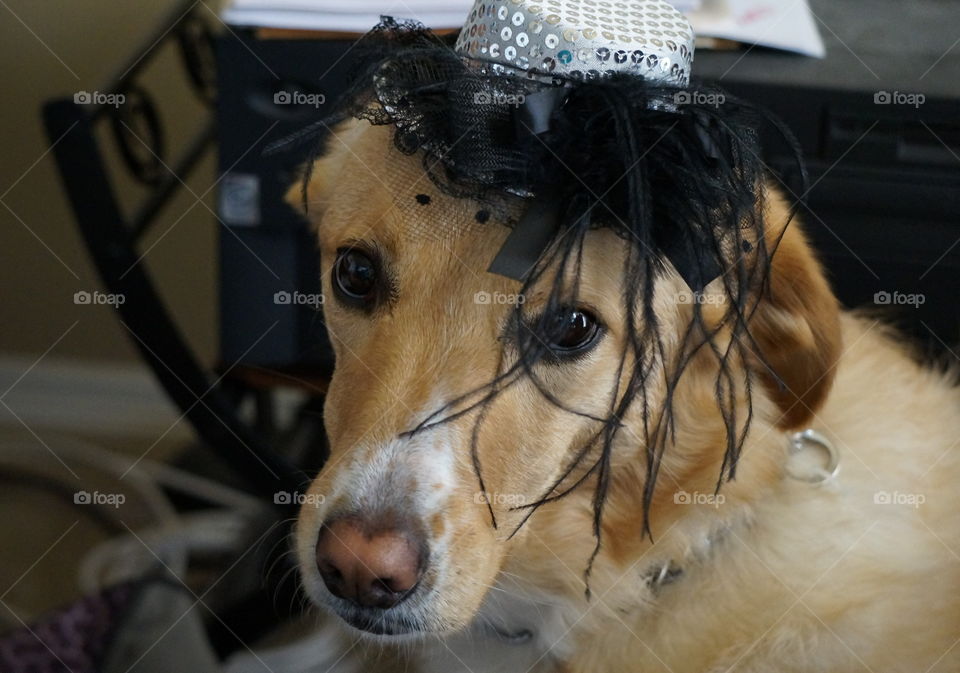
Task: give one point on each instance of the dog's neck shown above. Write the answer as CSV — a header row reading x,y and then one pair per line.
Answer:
x,y
689,547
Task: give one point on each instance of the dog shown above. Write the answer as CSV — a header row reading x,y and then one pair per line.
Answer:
x,y
424,548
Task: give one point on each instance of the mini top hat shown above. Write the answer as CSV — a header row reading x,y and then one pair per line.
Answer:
x,y
581,39
567,41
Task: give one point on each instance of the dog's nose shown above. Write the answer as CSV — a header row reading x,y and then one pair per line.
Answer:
x,y
370,569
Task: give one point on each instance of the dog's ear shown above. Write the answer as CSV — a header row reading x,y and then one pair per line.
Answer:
x,y
343,148
309,194
796,325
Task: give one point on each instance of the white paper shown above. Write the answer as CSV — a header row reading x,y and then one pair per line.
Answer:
x,y
352,16
781,24
354,6
686,5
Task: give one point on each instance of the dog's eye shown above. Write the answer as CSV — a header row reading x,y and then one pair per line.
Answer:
x,y
575,331
355,277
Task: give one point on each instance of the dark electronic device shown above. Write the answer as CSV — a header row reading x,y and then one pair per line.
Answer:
x,y
878,120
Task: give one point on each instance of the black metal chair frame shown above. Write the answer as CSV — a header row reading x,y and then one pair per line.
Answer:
x,y
111,238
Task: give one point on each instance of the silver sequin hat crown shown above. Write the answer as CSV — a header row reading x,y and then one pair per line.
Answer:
x,y
581,39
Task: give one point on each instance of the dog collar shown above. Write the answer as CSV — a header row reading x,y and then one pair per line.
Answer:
x,y
808,440
660,575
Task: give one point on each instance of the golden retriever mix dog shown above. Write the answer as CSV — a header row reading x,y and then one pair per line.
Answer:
x,y
425,542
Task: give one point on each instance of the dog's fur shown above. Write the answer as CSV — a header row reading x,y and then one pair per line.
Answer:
x,y
782,575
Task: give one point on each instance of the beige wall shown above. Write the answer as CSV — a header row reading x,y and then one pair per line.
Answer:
x,y
52,48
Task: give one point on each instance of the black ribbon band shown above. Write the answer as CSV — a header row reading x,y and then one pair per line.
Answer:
x,y
541,220
529,238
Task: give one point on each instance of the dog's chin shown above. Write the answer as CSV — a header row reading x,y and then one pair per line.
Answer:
x,y
388,625
383,626
409,620
393,624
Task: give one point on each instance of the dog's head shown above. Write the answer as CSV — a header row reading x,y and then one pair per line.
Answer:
x,y
441,433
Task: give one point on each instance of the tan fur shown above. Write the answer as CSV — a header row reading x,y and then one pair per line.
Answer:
x,y
799,577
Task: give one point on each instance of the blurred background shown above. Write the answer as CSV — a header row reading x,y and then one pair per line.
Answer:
x,y
52,49
162,357
85,381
